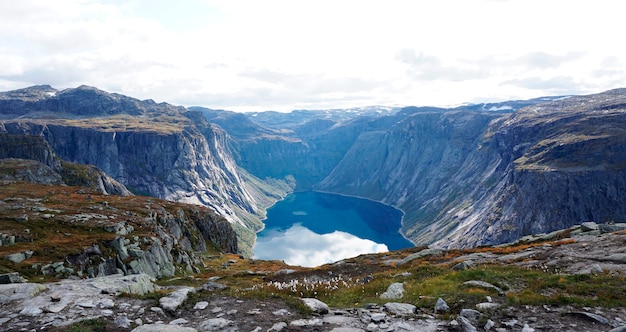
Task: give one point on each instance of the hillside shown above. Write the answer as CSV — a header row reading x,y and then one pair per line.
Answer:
x,y
464,176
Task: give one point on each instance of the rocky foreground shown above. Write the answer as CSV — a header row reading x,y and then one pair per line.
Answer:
x,y
491,289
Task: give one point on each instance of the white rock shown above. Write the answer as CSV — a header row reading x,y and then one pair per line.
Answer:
x,y
400,309
123,322
201,305
441,306
316,305
106,304
179,321
487,306
307,322
394,291
175,299
277,327
163,328
215,324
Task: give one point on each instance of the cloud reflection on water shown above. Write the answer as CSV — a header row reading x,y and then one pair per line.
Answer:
x,y
300,246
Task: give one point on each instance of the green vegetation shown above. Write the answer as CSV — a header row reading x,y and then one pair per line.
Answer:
x,y
89,325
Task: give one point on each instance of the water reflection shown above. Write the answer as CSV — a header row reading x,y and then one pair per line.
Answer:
x,y
299,245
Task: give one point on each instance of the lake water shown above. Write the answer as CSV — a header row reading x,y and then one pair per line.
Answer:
x,y
312,228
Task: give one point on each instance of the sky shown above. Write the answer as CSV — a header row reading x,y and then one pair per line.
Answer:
x,y
299,54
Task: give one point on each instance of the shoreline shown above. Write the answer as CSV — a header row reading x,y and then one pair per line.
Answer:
x,y
343,195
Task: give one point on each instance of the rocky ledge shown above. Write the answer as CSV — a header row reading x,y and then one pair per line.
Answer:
x,y
571,280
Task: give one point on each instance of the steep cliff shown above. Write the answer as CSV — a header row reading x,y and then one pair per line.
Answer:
x,y
466,179
31,158
96,235
154,149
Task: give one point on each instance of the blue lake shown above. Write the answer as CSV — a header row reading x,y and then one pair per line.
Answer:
x,y
312,228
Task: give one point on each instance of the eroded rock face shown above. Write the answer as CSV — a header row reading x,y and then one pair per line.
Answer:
x,y
466,179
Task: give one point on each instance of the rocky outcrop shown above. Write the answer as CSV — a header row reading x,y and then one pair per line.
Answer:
x,y
30,158
153,149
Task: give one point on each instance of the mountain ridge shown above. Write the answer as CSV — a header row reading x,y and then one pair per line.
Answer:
x,y
449,169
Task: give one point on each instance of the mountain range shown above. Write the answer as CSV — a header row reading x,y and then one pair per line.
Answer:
x,y
464,176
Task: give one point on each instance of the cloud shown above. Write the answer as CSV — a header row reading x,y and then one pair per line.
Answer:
x,y
553,85
300,246
427,67
283,55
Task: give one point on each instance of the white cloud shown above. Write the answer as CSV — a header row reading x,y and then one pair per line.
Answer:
x,y
300,246
255,55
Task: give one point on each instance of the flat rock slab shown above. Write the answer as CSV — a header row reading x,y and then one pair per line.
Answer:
x,y
400,309
175,299
163,328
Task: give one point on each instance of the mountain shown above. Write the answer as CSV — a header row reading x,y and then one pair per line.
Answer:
x,y
466,179
464,176
153,149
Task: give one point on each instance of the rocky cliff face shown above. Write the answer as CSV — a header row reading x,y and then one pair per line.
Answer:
x,y
475,174
467,179
154,149
30,158
97,235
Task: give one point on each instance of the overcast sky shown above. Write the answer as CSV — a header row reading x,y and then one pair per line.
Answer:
x,y
282,55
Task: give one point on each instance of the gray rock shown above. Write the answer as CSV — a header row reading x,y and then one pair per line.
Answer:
x,y
307,322
174,300
201,305
14,292
441,306
394,291
420,254
347,329
31,311
316,305
608,228
11,278
106,304
466,325
483,284
464,265
20,256
489,325
123,322
138,284
399,309
590,316
619,329
527,328
216,324
211,286
277,327
163,328
179,321
470,314
589,226
487,306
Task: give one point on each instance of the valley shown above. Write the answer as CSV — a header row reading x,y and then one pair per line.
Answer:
x,y
120,214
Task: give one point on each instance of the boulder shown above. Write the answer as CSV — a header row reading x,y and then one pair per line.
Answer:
x,y
11,278
316,305
420,254
400,309
608,228
394,291
466,325
174,300
441,306
589,226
